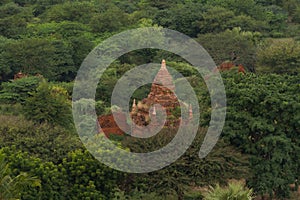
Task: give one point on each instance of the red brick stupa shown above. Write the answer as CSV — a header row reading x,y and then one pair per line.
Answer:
x,y
162,92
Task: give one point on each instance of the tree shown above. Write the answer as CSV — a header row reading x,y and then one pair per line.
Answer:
x,y
49,57
77,39
262,121
137,195
165,4
215,20
248,23
45,141
14,20
271,167
88,178
221,46
70,11
188,170
49,105
53,181
81,46
18,90
9,9
296,14
276,17
182,17
78,176
247,7
279,56
111,20
5,70
11,187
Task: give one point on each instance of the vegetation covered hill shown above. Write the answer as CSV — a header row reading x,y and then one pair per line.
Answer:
x,y
47,40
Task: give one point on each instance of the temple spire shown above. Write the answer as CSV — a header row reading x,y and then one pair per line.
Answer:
x,y
163,64
163,77
133,106
154,111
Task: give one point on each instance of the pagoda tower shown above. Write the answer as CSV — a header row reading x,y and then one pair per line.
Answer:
x,y
162,92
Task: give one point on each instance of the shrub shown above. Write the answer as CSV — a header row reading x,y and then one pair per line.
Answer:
x,y
234,191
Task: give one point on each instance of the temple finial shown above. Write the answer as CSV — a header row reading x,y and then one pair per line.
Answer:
x,y
163,63
190,112
134,105
154,111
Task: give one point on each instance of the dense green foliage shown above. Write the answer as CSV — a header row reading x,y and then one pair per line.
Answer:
x,y
17,91
189,169
44,141
279,56
12,187
41,156
53,37
79,176
234,191
220,46
263,120
49,104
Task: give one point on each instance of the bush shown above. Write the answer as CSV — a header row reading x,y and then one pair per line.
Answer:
x,y
234,191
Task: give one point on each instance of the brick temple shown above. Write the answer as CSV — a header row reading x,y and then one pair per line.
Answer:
x,y
162,92
143,112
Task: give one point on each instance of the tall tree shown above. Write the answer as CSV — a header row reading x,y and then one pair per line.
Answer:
x,y
221,46
49,57
279,56
18,90
49,104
